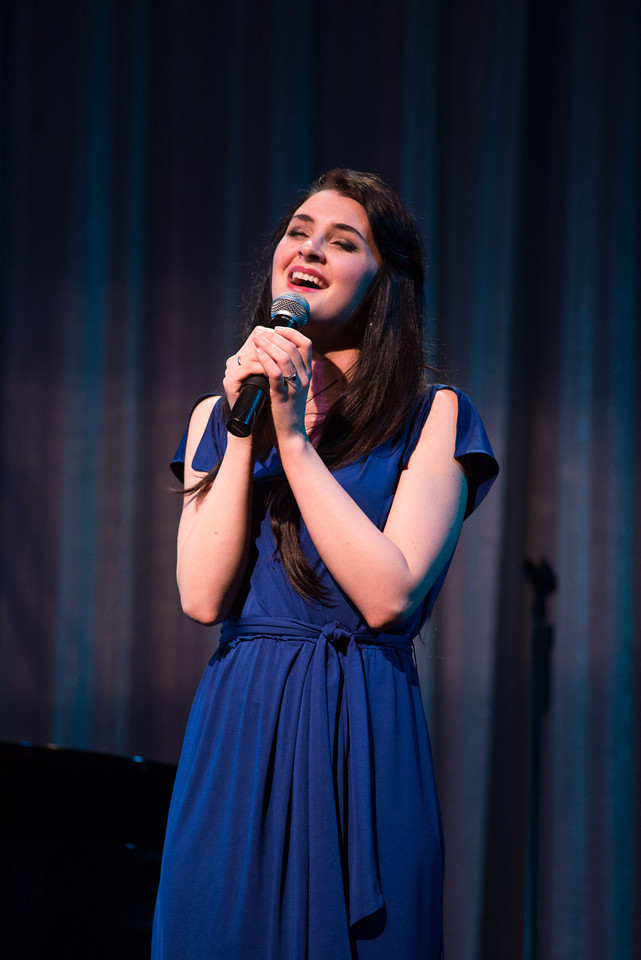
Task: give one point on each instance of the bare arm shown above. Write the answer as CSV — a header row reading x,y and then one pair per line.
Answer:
x,y
385,573
213,535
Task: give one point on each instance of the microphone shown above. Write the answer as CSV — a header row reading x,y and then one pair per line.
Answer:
x,y
289,310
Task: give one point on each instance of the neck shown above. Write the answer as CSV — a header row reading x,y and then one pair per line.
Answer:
x,y
332,363
329,372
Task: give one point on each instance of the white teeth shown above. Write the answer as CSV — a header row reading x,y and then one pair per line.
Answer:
x,y
307,277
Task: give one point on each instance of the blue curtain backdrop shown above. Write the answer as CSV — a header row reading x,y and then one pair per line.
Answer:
x,y
147,147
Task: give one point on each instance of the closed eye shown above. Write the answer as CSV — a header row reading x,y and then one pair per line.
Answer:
x,y
346,245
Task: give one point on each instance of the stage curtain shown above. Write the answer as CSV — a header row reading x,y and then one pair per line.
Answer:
x,y
147,149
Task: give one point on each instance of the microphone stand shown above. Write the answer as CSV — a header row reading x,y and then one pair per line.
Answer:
x,y
543,581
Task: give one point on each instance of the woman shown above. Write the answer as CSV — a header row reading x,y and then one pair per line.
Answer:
x,y
304,821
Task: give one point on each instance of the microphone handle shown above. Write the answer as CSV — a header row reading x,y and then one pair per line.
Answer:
x,y
254,391
249,403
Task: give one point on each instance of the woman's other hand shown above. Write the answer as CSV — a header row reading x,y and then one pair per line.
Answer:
x,y
284,355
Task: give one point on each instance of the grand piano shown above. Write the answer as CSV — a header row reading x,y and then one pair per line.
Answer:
x,y
81,837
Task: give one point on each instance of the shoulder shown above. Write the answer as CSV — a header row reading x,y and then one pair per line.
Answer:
x,y
443,411
436,441
436,422
200,415
198,421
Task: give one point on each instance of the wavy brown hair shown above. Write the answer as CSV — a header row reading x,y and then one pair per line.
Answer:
x,y
390,371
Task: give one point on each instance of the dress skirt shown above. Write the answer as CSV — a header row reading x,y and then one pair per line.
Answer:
x,y
304,823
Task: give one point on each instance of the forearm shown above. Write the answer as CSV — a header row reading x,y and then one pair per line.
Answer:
x,y
379,576
213,538
387,573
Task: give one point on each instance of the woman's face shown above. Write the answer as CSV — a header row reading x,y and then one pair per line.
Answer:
x,y
328,255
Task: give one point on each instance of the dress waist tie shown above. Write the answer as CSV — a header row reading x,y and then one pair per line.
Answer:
x,y
339,699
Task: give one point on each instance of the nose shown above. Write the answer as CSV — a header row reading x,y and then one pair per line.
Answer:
x,y
311,249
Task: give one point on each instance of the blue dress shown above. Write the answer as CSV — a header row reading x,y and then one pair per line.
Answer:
x,y
304,823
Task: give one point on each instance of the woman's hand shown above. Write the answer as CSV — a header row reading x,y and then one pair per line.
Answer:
x,y
241,365
284,355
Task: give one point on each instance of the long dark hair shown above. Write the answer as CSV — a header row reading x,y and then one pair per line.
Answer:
x,y
389,374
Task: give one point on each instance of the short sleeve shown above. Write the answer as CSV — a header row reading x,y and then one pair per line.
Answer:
x,y
211,447
474,453
472,448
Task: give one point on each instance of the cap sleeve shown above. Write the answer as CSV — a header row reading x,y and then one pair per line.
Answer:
x,y
472,448
211,447
474,452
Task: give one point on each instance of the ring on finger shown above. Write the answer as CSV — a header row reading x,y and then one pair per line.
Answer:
x,y
292,379
238,360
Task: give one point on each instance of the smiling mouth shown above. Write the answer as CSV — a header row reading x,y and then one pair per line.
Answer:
x,y
301,279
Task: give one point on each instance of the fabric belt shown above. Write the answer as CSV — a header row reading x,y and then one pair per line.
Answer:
x,y
339,695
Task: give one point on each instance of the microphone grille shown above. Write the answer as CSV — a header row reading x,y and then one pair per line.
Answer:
x,y
292,305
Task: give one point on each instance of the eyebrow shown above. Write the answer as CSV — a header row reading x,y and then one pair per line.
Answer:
x,y
336,226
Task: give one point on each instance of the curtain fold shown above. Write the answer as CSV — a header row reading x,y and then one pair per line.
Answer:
x,y
147,149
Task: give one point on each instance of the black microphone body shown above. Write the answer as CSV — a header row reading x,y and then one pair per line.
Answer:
x,y
290,310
